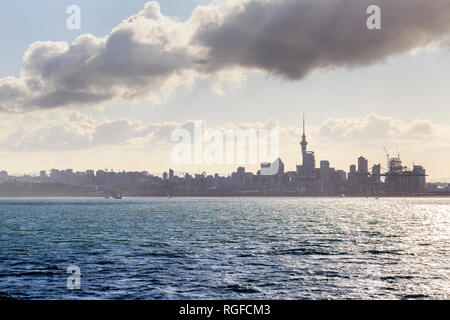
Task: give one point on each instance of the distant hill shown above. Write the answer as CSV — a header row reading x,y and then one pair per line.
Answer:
x,y
442,180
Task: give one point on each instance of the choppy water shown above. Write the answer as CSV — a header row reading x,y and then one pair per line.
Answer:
x,y
217,248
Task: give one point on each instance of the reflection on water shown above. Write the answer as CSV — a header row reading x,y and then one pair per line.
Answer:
x,y
216,248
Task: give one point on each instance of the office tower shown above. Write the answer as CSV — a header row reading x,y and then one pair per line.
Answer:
x,y
324,176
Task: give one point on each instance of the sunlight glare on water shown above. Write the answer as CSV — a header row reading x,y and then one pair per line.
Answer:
x,y
226,248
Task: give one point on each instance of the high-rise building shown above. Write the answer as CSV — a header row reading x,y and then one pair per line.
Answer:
x,y
363,173
375,179
352,183
324,176
352,173
363,166
341,175
274,168
3,176
240,171
419,181
376,173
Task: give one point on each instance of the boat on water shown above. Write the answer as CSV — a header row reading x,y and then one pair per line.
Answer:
x,y
117,196
114,195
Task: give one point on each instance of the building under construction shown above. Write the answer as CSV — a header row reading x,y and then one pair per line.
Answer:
x,y
398,179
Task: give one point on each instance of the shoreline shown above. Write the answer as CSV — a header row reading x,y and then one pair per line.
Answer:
x,y
234,196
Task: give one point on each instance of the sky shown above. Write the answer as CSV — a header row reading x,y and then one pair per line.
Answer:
x,y
110,94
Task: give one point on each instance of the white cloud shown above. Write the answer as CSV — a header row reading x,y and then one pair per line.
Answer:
x,y
217,89
375,129
149,55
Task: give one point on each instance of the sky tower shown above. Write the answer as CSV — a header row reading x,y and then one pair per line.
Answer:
x,y
309,160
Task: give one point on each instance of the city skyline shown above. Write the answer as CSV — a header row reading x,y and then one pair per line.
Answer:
x,y
291,162
362,100
271,180
306,179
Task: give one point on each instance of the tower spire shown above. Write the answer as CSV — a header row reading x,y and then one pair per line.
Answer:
x,y
303,143
303,124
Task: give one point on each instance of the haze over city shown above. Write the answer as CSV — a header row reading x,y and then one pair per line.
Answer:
x,y
383,88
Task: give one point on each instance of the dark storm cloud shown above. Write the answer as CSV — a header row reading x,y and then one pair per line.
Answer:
x,y
291,38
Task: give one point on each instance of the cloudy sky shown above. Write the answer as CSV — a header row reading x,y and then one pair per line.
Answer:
x,y
110,95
